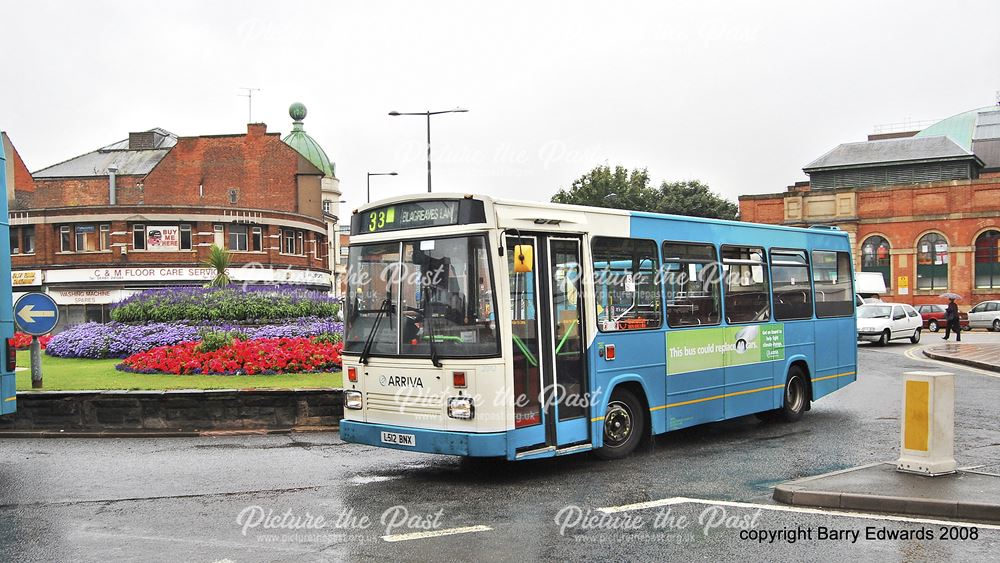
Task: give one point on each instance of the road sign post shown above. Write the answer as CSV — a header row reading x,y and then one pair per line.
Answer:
x,y
36,314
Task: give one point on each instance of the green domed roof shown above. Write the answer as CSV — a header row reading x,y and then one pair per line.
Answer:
x,y
958,128
299,140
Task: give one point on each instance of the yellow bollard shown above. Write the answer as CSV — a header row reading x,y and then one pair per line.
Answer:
x,y
927,437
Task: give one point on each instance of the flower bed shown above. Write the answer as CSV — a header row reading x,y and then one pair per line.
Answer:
x,y
251,357
234,303
119,340
22,341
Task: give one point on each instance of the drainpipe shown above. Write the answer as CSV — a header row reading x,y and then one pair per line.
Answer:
x,y
111,184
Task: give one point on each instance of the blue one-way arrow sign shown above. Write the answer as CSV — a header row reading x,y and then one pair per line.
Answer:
x,y
36,313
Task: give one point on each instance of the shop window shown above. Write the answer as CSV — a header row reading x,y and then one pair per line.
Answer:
x,y
833,281
875,258
691,278
744,275
988,260
65,244
258,239
626,284
791,287
185,237
139,237
238,238
932,262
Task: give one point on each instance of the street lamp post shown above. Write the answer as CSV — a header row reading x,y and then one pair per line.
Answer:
x,y
428,114
370,174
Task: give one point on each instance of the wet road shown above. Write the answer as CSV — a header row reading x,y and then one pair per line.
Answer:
x,y
258,498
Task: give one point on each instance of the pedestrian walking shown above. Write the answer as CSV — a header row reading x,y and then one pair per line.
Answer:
x,y
951,320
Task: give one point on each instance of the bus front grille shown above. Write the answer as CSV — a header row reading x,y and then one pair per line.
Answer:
x,y
426,406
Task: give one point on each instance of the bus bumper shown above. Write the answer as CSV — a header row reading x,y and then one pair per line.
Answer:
x,y
427,441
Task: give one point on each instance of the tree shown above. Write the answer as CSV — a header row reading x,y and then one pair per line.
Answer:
x,y
603,187
695,199
621,189
219,259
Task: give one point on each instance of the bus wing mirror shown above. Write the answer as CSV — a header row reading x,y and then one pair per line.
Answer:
x,y
523,258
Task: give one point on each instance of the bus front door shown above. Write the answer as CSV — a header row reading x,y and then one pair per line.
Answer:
x,y
550,383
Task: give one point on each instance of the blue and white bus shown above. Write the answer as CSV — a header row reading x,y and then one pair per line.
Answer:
x,y
8,388
482,327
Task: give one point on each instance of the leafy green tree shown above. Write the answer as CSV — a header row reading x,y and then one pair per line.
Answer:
x,y
604,187
693,198
623,189
219,259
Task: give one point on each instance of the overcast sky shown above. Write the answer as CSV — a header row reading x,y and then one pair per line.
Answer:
x,y
740,95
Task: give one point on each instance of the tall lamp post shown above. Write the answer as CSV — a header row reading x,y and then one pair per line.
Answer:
x,y
370,174
428,114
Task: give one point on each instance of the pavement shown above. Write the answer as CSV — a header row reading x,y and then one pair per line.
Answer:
x,y
966,494
978,355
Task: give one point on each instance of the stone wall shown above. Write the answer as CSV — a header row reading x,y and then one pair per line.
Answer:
x,y
174,411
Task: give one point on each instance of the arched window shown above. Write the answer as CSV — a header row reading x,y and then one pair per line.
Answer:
x,y
875,258
988,260
932,262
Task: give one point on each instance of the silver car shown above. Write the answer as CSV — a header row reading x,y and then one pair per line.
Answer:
x,y
985,315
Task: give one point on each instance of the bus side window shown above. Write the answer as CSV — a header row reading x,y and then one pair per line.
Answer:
x,y
833,279
744,274
691,277
790,284
626,283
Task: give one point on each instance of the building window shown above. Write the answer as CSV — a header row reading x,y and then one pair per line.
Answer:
x,y
238,238
92,238
626,283
105,237
745,277
875,258
185,237
300,247
932,262
15,244
258,239
28,240
219,236
139,237
327,206
288,241
691,277
833,281
987,260
64,239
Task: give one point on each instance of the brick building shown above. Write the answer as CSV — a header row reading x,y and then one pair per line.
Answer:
x,y
921,207
144,212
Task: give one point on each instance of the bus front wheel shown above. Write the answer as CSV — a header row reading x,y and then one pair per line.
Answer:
x,y
796,395
624,422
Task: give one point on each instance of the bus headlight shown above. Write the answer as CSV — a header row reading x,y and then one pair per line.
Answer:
x,y
461,407
352,400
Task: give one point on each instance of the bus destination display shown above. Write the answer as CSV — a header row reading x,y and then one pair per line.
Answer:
x,y
413,215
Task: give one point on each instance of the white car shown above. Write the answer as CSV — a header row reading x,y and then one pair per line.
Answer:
x,y
985,315
882,322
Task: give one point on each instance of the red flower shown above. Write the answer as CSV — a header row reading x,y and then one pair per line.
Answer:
x,y
277,355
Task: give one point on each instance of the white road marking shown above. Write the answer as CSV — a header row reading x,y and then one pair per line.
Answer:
x,y
436,533
797,509
912,354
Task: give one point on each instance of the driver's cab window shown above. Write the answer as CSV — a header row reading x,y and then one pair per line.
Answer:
x,y
897,313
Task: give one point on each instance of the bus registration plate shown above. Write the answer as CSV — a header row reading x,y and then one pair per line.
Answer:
x,y
398,439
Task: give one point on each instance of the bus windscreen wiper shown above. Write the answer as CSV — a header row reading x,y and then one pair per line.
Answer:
x,y
370,340
429,323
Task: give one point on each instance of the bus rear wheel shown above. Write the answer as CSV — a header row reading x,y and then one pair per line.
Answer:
x,y
796,395
624,422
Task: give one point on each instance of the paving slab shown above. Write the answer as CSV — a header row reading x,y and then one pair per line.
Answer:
x,y
968,494
982,356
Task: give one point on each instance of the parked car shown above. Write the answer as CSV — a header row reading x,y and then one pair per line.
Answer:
x,y
985,315
882,322
933,316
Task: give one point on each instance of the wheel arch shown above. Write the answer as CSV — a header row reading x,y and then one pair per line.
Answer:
x,y
633,383
801,362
